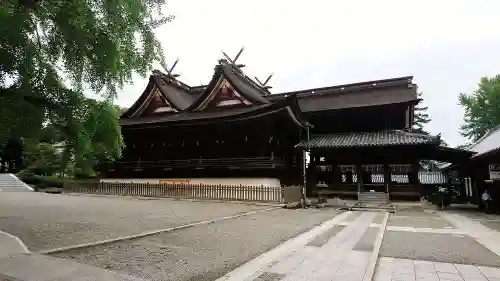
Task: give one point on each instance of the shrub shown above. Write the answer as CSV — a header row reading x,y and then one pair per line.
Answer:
x,y
51,181
28,177
40,181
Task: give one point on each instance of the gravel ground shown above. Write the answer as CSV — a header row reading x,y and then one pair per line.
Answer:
x,y
493,225
46,221
203,252
419,222
437,247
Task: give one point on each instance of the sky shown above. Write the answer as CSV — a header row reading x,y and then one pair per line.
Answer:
x,y
446,45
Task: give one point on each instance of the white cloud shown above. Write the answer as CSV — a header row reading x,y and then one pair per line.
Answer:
x,y
447,45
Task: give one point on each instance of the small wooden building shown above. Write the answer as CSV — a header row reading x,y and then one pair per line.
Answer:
x,y
358,135
482,170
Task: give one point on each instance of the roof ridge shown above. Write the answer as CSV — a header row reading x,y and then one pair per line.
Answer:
x,y
416,134
486,135
170,79
353,86
239,72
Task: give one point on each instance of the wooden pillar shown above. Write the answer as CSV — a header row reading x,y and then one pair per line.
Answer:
x,y
359,174
414,178
387,177
335,175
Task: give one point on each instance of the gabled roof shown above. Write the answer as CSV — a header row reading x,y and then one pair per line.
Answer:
x,y
367,139
175,94
370,93
487,144
226,74
230,87
288,107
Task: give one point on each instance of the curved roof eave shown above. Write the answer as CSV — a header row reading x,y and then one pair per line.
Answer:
x,y
241,84
482,145
142,98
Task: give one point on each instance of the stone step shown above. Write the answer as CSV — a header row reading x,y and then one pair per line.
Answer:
x,y
10,183
373,200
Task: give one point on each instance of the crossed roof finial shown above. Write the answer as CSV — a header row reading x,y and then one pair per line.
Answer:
x,y
170,71
233,61
264,85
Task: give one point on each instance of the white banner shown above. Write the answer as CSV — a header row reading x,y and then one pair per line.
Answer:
x,y
495,175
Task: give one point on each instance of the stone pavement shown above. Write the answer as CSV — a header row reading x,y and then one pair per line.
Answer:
x,y
11,245
34,267
353,246
340,249
391,269
417,246
17,263
476,245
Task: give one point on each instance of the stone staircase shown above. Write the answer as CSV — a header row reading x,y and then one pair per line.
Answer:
x,y
374,200
10,183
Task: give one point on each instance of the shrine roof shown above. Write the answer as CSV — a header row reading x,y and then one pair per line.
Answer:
x,y
367,139
370,93
237,79
166,96
175,92
188,115
237,113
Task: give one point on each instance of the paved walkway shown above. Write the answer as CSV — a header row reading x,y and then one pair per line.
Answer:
x,y
344,248
351,246
17,263
11,245
34,267
325,252
392,269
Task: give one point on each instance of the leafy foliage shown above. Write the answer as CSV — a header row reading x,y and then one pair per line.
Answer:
x,y
421,117
92,133
43,158
482,108
51,50
463,146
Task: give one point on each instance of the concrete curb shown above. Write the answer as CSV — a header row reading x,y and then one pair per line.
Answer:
x,y
372,264
176,199
148,233
24,248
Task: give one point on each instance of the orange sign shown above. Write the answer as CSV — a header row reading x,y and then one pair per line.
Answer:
x,y
185,182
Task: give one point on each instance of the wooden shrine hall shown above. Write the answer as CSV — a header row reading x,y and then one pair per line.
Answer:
x,y
358,135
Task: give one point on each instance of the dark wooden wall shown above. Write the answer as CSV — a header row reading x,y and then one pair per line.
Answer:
x,y
361,119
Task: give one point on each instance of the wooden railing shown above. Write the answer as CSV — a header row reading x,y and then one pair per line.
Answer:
x,y
256,162
272,194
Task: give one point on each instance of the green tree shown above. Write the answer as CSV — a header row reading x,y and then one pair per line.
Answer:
x,y
42,158
53,49
91,134
421,117
482,108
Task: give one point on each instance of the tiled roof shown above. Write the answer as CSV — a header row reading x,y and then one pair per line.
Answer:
x,y
367,139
